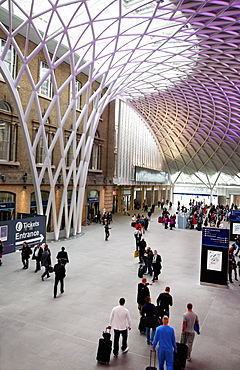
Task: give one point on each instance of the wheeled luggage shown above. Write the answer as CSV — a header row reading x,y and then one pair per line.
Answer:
x,y
141,270
160,220
152,355
104,348
180,357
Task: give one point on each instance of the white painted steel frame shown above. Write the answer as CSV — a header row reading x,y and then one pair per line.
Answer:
x,y
176,62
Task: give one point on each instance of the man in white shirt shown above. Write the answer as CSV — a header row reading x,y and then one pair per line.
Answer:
x,y
121,322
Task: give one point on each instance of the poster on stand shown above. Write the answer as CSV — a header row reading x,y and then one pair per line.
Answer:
x,y
214,260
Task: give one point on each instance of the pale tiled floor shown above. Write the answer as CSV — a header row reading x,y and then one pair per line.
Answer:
x,y
39,332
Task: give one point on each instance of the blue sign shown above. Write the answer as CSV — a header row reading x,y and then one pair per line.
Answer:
x,y
93,199
235,215
215,237
7,205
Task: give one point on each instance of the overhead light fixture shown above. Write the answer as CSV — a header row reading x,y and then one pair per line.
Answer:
x,y
25,177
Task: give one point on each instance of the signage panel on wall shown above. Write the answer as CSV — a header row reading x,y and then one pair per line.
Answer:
x,y
31,230
149,175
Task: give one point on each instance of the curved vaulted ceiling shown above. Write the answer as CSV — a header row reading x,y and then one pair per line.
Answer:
x,y
176,62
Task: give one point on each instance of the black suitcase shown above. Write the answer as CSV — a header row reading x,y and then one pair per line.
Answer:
x,y
180,357
141,270
152,354
104,348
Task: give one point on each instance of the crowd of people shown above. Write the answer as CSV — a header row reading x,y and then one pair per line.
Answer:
x,y
153,318
154,322
42,257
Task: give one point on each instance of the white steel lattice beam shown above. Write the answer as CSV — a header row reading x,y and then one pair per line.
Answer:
x,y
175,62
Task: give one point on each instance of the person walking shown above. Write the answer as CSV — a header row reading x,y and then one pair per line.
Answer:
x,y
165,220
63,255
190,318
37,256
142,293
156,265
46,261
106,229
60,273
164,300
138,235
166,341
1,251
121,322
25,254
149,312
172,222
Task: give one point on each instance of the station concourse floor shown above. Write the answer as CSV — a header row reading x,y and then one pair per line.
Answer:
x,y
40,332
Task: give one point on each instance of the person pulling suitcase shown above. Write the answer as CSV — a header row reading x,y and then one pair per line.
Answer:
x,y
121,321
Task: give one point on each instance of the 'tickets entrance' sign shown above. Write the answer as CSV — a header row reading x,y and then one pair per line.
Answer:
x,y
31,230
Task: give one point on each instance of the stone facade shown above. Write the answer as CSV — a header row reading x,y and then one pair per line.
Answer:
x,y
15,171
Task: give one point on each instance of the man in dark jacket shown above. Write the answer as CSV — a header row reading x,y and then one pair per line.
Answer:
x,y
142,293
156,265
142,249
63,256
46,261
150,313
37,256
26,252
60,274
164,300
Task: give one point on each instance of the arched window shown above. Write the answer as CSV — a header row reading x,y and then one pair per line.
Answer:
x,y
33,206
46,87
96,155
78,86
8,134
7,205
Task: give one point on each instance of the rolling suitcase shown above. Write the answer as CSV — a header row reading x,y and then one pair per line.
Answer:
x,y
180,357
141,270
152,354
104,348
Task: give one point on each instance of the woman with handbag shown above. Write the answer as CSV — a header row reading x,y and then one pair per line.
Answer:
x,y
149,311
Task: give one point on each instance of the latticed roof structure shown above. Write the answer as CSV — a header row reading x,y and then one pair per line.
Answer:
x,y
175,62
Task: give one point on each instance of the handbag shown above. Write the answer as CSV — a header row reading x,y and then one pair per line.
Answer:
x,y
136,254
50,269
152,321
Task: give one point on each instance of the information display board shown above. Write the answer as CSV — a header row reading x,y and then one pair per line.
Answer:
x,y
214,256
234,224
31,230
